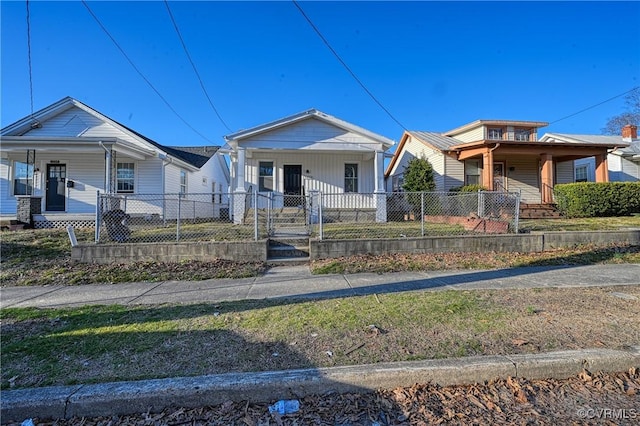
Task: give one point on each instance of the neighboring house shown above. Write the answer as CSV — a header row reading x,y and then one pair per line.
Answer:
x,y
311,151
60,157
499,155
623,163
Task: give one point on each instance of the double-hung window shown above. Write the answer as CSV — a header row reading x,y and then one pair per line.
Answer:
x,y
183,182
472,172
22,178
581,174
125,178
350,177
265,178
522,135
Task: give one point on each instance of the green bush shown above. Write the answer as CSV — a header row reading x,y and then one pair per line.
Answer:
x,y
468,188
589,199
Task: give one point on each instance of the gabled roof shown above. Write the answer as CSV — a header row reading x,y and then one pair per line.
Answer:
x,y
193,156
478,123
306,115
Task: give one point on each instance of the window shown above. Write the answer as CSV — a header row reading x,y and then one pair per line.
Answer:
x,y
396,183
472,172
495,133
265,179
183,182
350,178
581,173
22,178
522,134
125,177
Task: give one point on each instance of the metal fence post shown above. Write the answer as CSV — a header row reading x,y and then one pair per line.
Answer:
x,y
98,215
320,221
422,214
481,196
178,218
516,215
255,215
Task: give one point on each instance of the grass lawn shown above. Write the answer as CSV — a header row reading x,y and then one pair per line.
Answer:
x,y
110,343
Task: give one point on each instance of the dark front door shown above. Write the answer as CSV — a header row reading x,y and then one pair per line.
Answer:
x,y
292,185
56,177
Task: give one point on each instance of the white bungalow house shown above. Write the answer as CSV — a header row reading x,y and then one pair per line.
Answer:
x,y
623,162
503,155
286,159
58,158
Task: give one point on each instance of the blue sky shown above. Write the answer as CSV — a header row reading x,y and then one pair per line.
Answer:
x,y
433,65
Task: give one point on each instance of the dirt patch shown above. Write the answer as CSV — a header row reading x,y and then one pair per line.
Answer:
x,y
610,399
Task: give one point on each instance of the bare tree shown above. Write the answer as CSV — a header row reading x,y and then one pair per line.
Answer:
x,y
630,116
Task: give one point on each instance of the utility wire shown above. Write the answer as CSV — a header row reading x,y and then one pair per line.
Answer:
x,y
142,75
184,46
593,106
29,56
346,66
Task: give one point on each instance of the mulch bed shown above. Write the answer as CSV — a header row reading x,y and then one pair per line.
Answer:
x,y
609,399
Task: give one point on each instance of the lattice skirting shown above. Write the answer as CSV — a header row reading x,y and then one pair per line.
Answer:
x,y
50,224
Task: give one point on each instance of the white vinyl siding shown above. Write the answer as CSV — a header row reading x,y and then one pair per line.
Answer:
x,y
472,135
320,171
414,148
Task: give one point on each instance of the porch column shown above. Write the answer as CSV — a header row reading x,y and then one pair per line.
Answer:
x,y
487,169
380,193
546,178
239,193
602,168
107,171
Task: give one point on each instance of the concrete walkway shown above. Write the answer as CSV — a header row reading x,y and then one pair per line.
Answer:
x,y
296,282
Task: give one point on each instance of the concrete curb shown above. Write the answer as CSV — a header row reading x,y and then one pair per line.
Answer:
x,y
121,398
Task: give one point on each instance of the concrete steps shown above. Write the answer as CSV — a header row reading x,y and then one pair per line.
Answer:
x,y
288,250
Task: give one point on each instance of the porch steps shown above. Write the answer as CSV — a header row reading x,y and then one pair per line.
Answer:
x,y
539,211
288,249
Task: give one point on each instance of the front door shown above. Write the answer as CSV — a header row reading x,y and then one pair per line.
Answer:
x,y
56,177
292,185
499,181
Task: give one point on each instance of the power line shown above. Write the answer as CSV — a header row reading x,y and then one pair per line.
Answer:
x,y
142,75
346,66
593,106
29,56
184,46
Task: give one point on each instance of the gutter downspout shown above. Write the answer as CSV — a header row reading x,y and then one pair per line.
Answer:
x,y
165,162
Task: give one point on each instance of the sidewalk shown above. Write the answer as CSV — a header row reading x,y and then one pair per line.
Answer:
x,y
298,282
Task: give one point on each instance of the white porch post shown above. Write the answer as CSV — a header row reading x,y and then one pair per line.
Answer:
x,y
380,193
239,191
107,171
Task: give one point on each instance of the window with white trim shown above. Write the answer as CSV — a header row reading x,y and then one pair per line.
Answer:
x,y
581,174
265,176
125,178
22,178
472,172
522,135
183,182
350,177
494,133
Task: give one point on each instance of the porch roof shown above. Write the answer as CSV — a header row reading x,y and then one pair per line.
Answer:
x,y
75,145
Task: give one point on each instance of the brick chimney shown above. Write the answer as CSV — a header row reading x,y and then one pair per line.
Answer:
x,y
630,132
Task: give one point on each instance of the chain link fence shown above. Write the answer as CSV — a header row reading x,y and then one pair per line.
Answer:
x,y
168,217
209,217
416,214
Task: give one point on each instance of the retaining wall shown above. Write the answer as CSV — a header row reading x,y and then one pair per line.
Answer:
x,y
241,251
534,242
